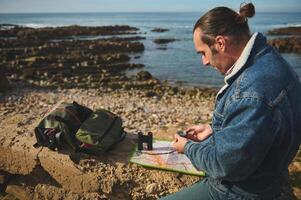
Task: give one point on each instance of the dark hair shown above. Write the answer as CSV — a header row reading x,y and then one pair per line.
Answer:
x,y
225,21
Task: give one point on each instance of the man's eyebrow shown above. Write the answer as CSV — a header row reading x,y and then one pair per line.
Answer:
x,y
200,52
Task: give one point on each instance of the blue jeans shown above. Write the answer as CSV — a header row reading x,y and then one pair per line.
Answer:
x,y
203,190
200,190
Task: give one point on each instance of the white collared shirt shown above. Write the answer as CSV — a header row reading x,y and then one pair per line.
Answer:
x,y
241,61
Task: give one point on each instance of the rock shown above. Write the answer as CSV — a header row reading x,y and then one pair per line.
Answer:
x,y
162,48
143,75
159,30
65,32
109,176
152,188
3,177
287,45
285,31
4,84
36,58
114,86
17,161
164,40
72,179
18,192
150,94
9,197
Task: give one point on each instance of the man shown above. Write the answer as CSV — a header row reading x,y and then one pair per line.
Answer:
x,y
256,129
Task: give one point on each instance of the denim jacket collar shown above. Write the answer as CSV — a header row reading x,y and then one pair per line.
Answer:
x,y
239,64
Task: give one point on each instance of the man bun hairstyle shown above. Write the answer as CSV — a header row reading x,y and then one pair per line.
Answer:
x,y
246,11
227,22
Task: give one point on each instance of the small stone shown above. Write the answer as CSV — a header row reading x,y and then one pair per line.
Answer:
x,y
151,188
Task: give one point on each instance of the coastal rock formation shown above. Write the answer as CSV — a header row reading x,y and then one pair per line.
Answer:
x,y
285,31
144,75
164,40
90,72
4,84
287,45
291,44
49,33
159,30
45,174
59,57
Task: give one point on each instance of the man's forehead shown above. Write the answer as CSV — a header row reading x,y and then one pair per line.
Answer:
x,y
197,31
197,36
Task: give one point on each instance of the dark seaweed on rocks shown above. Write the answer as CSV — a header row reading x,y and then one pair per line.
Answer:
x,y
164,40
47,57
287,45
159,30
285,31
290,44
63,32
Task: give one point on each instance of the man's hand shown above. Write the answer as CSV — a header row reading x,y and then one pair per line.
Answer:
x,y
199,133
179,143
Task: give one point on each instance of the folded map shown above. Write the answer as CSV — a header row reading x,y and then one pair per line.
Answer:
x,y
164,157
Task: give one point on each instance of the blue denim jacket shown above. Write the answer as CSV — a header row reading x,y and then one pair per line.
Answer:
x,y
256,128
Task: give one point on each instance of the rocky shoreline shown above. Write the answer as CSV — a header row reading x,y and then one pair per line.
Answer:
x,y
66,175
44,174
291,43
49,65
44,71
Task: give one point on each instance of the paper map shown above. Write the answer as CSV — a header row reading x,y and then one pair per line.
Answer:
x,y
164,157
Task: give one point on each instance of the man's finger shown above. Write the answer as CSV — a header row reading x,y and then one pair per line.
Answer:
x,y
176,136
191,132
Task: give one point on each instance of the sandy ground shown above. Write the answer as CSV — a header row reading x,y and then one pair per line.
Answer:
x,y
44,174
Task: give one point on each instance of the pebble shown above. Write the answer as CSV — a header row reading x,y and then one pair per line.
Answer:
x,y
151,188
139,113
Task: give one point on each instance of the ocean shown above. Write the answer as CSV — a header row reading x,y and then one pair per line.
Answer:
x,y
178,63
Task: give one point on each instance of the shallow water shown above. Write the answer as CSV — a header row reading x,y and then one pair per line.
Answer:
x,y
178,63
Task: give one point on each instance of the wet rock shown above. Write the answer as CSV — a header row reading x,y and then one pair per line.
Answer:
x,y
65,63
164,40
119,39
285,31
65,32
287,45
143,75
4,84
159,30
150,94
162,48
114,86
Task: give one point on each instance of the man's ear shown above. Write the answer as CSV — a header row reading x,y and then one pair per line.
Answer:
x,y
220,42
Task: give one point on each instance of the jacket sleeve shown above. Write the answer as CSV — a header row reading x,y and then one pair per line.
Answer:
x,y
240,145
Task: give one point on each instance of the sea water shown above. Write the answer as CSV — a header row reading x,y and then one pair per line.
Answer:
x,y
176,62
